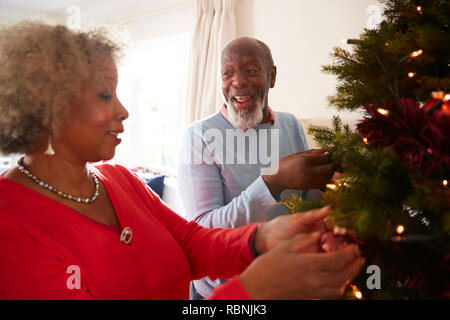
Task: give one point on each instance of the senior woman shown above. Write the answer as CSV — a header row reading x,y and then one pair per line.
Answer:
x,y
72,230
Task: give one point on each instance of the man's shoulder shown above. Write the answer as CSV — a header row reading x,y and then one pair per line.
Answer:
x,y
286,118
215,121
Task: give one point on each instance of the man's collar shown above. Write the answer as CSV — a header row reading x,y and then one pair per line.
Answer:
x,y
224,112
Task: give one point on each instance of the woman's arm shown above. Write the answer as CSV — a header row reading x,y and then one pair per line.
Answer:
x,y
217,253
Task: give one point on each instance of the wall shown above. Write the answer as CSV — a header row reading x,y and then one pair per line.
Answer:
x,y
175,21
302,34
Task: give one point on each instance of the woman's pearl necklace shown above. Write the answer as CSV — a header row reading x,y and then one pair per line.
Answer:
x,y
90,200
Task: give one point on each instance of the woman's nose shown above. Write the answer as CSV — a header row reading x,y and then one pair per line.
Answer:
x,y
122,111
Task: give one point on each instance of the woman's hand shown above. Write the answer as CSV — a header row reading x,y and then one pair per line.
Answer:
x,y
287,272
271,233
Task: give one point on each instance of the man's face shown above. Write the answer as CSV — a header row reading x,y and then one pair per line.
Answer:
x,y
245,83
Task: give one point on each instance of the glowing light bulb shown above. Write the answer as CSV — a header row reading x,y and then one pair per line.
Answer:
x,y
358,295
447,97
400,229
382,111
416,53
445,183
437,94
366,141
419,8
411,74
331,186
339,231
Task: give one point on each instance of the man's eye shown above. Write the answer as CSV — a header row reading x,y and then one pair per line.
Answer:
x,y
226,73
252,71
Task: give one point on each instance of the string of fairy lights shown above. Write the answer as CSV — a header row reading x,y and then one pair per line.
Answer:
x,y
441,97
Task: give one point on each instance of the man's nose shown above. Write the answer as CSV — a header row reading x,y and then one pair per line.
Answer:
x,y
239,81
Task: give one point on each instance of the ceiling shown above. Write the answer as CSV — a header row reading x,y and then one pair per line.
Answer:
x,y
43,5
12,11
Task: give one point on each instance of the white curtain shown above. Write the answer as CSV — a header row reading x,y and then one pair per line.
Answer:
x,y
216,25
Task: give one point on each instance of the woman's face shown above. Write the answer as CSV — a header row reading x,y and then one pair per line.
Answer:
x,y
91,132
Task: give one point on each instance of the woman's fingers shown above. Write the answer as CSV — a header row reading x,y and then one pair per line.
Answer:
x,y
305,242
336,260
305,221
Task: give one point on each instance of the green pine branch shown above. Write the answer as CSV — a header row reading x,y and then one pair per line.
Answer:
x,y
362,79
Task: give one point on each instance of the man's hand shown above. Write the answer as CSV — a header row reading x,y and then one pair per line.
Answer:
x,y
302,171
287,272
271,233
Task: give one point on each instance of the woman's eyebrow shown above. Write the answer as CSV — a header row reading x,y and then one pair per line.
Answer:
x,y
114,79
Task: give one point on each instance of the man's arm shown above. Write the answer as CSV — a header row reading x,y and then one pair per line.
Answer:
x,y
202,193
201,190
201,184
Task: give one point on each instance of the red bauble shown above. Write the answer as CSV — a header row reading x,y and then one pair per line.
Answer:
x,y
421,140
331,242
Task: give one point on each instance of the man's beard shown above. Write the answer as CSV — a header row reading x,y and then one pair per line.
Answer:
x,y
245,118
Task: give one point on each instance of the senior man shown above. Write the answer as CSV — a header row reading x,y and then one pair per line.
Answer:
x,y
235,165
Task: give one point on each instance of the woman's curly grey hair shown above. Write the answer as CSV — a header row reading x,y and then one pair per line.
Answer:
x,y
42,69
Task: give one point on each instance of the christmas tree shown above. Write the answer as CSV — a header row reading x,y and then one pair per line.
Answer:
x,y
393,188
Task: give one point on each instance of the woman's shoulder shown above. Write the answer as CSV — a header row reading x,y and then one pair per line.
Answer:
x,y
11,191
16,202
119,175
114,169
111,168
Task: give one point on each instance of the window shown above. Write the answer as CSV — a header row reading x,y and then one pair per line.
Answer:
x,y
5,162
152,82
